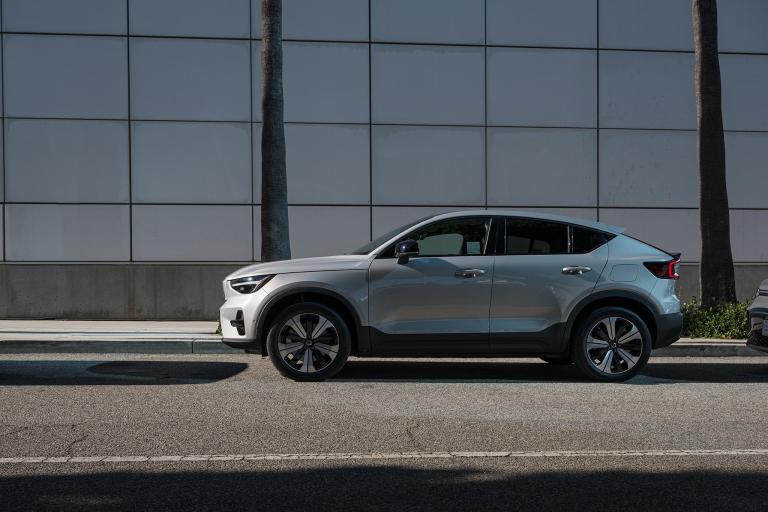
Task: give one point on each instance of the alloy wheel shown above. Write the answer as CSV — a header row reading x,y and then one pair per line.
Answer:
x,y
308,343
614,345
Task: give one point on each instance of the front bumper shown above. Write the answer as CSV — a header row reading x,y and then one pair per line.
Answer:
x,y
668,328
758,315
249,345
238,320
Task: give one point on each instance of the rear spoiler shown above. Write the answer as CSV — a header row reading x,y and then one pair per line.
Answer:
x,y
674,255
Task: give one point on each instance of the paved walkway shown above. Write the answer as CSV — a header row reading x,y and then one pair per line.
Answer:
x,y
156,337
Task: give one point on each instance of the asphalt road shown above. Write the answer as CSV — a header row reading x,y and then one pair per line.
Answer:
x,y
386,435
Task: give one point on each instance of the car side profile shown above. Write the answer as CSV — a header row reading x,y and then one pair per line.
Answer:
x,y
475,283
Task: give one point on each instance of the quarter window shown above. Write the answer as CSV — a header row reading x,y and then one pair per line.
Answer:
x,y
587,240
530,236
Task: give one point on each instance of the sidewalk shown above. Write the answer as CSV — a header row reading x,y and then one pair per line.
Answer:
x,y
150,337
110,337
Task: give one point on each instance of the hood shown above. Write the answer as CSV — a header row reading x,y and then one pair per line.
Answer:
x,y
344,262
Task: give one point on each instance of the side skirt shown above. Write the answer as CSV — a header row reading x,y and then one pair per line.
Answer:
x,y
549,342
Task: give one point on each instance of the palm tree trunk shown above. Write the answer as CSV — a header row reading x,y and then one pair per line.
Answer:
x,y
716,269
275,243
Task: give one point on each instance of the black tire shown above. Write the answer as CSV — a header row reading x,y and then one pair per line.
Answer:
x,y
562,360
640,348
308,309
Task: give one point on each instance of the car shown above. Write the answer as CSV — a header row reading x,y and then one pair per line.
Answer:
x,y
758,312
481,283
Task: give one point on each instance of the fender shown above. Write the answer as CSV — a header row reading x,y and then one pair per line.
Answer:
x,y
607,294
361,332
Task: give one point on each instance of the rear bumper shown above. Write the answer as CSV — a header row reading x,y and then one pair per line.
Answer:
x,y
668,328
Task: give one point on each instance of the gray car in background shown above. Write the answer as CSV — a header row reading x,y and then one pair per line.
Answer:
x,y
758,313
474,283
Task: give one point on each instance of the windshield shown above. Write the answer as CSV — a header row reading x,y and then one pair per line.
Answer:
x,y
373,244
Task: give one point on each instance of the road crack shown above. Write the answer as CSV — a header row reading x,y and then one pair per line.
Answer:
x,y
412,437
16,431
82,438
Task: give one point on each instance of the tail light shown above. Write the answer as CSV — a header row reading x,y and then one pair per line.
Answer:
x,y
663,269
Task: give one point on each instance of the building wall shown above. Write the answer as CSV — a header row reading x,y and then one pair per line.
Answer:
x,y
131,132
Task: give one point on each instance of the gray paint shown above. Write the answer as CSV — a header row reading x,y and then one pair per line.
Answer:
x,y
424,296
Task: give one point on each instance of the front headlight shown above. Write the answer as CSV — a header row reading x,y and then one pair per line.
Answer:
x,y
249,284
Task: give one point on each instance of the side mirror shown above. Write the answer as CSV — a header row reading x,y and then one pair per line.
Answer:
x,y
405,250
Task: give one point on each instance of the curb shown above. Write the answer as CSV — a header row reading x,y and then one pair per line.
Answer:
x,y
103,346
211,344
708,349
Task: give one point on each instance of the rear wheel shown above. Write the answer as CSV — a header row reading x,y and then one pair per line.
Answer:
x,y
308,342
611,345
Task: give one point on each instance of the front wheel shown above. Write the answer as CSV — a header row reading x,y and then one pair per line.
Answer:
x,y
308,342
611,345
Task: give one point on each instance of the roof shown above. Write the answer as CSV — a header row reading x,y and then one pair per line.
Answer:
x,y
534,215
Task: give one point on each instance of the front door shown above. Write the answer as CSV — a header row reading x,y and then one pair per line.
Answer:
x,y
438,301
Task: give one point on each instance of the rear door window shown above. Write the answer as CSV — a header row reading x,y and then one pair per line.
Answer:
x,y
532,236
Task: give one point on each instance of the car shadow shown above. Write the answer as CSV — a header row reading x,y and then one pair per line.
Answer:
x,y
493,371
90,373
385,487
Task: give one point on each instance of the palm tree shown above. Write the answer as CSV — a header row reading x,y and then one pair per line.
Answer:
x,y
716,269
275,243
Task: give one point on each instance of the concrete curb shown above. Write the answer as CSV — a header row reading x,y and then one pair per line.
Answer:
x,y
177,343
708,348
210,345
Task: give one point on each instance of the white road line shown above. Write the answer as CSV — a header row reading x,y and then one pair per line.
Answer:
x,y
381,455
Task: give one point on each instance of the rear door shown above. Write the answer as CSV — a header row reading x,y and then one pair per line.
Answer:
x,y
543,270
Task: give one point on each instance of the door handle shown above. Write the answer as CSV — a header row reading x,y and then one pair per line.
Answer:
x,y
576,271
469,272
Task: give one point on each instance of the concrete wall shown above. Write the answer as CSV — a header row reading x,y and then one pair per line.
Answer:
x,y
170,292
130,130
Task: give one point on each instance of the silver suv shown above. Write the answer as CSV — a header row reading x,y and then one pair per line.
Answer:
x,y
474,283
